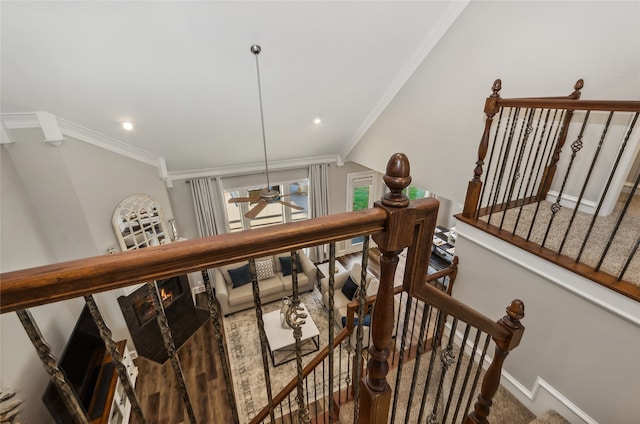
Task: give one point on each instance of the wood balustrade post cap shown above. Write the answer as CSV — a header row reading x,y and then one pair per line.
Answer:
x,y
397,178
515,310
496,87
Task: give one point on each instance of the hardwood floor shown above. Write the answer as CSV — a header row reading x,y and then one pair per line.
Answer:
x,y
158,394
201,365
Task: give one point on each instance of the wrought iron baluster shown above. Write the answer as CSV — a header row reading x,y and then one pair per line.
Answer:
x,y
214,312
576,146
167,337
474,385
263,335
332,270
447,357
586,181
623,213
69,396
631,255
295,319
340,375
397,320
514,173
606,188
359,332
503,161
466,377
121,369
537,167
424,329
489,162
545,174
435,344
403,339
526,166
454,380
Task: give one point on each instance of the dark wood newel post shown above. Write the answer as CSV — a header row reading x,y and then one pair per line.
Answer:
x,y
374,389
491,379
475,185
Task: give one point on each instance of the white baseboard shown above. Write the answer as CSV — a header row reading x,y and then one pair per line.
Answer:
x,y
626,188
543,397
569,202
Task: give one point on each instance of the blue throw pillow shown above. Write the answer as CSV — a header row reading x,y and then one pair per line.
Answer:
x,y
285,264
366,322
240,276
349,288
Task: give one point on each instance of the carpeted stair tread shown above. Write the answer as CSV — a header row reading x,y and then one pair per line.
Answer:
x,y
550,417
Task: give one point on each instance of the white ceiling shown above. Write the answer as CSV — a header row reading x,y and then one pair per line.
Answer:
x,y
182,72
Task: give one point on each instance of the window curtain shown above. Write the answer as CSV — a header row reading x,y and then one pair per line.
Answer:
x,y
319,204
208,202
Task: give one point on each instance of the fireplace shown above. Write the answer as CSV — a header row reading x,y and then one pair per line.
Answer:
x,y
170,291
183,316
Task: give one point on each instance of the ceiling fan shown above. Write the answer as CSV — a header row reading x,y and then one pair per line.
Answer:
x,y
267,195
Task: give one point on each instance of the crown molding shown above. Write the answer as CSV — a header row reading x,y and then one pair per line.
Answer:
x,y
249,168
70,129
430,41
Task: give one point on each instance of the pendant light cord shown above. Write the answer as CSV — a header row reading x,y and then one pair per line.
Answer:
x,y
255,49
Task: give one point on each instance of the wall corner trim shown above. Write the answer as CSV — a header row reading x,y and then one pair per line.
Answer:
x,y
55,128
430,41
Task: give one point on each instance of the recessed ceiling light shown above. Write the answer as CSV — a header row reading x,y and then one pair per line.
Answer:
x,y
127,126
317,121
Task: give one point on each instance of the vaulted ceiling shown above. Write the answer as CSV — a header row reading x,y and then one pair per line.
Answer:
x,y
183,74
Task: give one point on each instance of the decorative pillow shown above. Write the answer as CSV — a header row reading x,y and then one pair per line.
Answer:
x,y
366,322
240,276
264,269
285,264
349,289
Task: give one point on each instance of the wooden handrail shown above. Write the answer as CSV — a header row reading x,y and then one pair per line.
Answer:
x,y
53,283
569,104
454,307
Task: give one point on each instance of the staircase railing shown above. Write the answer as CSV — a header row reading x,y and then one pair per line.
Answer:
x,y
555,171
394,224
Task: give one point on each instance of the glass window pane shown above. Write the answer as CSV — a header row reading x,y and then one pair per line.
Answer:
x,y
360,198
233,211
299,191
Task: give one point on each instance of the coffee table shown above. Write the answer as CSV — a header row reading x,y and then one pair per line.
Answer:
x,y
282,344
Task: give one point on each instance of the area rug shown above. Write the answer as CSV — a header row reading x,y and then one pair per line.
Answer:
x,y
245,357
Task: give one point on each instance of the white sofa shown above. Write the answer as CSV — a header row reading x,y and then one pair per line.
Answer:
x,y
341,301
233,299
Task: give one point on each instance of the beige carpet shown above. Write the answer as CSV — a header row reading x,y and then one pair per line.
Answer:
x,y
506,409
621,247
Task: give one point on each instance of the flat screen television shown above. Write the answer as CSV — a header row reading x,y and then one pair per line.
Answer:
x,y
82,363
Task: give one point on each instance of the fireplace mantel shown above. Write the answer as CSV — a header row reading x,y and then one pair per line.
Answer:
x,y
183,316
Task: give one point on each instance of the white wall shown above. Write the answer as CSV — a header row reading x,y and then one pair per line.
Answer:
x,y
581,344
536,48
56,204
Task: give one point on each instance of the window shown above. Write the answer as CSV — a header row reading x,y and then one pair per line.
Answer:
x,y
415,192
361,190
294,192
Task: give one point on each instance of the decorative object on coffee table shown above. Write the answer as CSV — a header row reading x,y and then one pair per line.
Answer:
x,y
284,310
281,340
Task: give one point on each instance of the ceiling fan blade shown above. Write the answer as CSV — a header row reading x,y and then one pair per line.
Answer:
x,y
256,209
292,205
242,199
